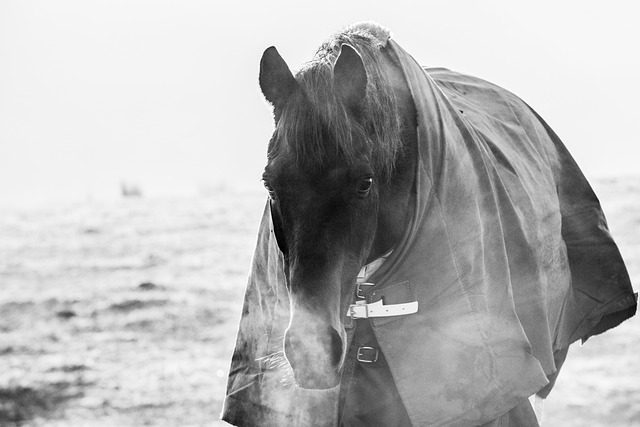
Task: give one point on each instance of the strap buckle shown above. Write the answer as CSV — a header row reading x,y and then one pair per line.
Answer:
x,y
358,311
360,293
367,355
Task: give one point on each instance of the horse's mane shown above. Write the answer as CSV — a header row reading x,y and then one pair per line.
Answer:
x,y
316,126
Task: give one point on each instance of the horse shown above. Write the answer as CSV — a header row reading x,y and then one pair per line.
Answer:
x,y
339,175
420,248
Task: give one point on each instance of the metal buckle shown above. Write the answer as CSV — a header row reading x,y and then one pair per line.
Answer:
x,y
367,355
358,311
360,292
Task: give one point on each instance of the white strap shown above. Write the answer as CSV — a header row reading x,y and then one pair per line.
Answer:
x,y
378,309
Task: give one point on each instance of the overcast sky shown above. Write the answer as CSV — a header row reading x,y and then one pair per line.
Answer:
x,y
164,94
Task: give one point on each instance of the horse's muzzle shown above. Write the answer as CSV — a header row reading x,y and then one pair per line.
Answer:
x,y
315,354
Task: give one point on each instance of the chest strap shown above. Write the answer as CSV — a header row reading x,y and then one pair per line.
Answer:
x,y
362,310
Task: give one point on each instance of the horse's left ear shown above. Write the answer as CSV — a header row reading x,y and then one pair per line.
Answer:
x,y
350,77
276,81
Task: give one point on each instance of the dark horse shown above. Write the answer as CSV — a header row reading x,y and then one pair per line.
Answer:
x,y
340,178
484,249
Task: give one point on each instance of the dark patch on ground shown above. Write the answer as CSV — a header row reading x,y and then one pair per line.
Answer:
x,y
149,286
137,304
23,403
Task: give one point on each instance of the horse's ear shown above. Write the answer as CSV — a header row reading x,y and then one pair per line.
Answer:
x,y
350,77
276,81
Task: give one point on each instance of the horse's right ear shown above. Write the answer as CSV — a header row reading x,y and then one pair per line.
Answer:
x,y
276,81
350,77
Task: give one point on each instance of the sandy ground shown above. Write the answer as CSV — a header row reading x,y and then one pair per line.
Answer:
x,y
125,313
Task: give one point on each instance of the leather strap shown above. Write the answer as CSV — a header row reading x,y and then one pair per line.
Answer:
x,y
361,310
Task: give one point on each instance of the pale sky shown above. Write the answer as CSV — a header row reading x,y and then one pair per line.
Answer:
x,y
164,94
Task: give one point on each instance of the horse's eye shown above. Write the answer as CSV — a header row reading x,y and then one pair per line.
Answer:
x,y
365,186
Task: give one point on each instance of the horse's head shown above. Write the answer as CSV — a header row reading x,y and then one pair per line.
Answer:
x,y
339,182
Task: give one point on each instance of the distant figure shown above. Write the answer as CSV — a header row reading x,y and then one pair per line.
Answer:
x,y
130,190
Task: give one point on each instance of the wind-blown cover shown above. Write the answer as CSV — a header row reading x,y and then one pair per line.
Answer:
x,y
508,253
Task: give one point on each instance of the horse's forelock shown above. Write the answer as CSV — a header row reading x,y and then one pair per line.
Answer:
x,y
317,128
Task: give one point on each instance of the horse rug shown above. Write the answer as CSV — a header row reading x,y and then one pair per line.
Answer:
x,y
508,254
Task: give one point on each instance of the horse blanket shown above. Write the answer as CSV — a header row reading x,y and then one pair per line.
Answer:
x,y
508,254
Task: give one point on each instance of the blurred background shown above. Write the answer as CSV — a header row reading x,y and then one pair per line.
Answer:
x,y
132,140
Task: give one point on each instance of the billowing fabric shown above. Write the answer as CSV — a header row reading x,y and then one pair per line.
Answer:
x,y
508,254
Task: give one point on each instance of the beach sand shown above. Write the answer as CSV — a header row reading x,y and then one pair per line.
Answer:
x,y
124,313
